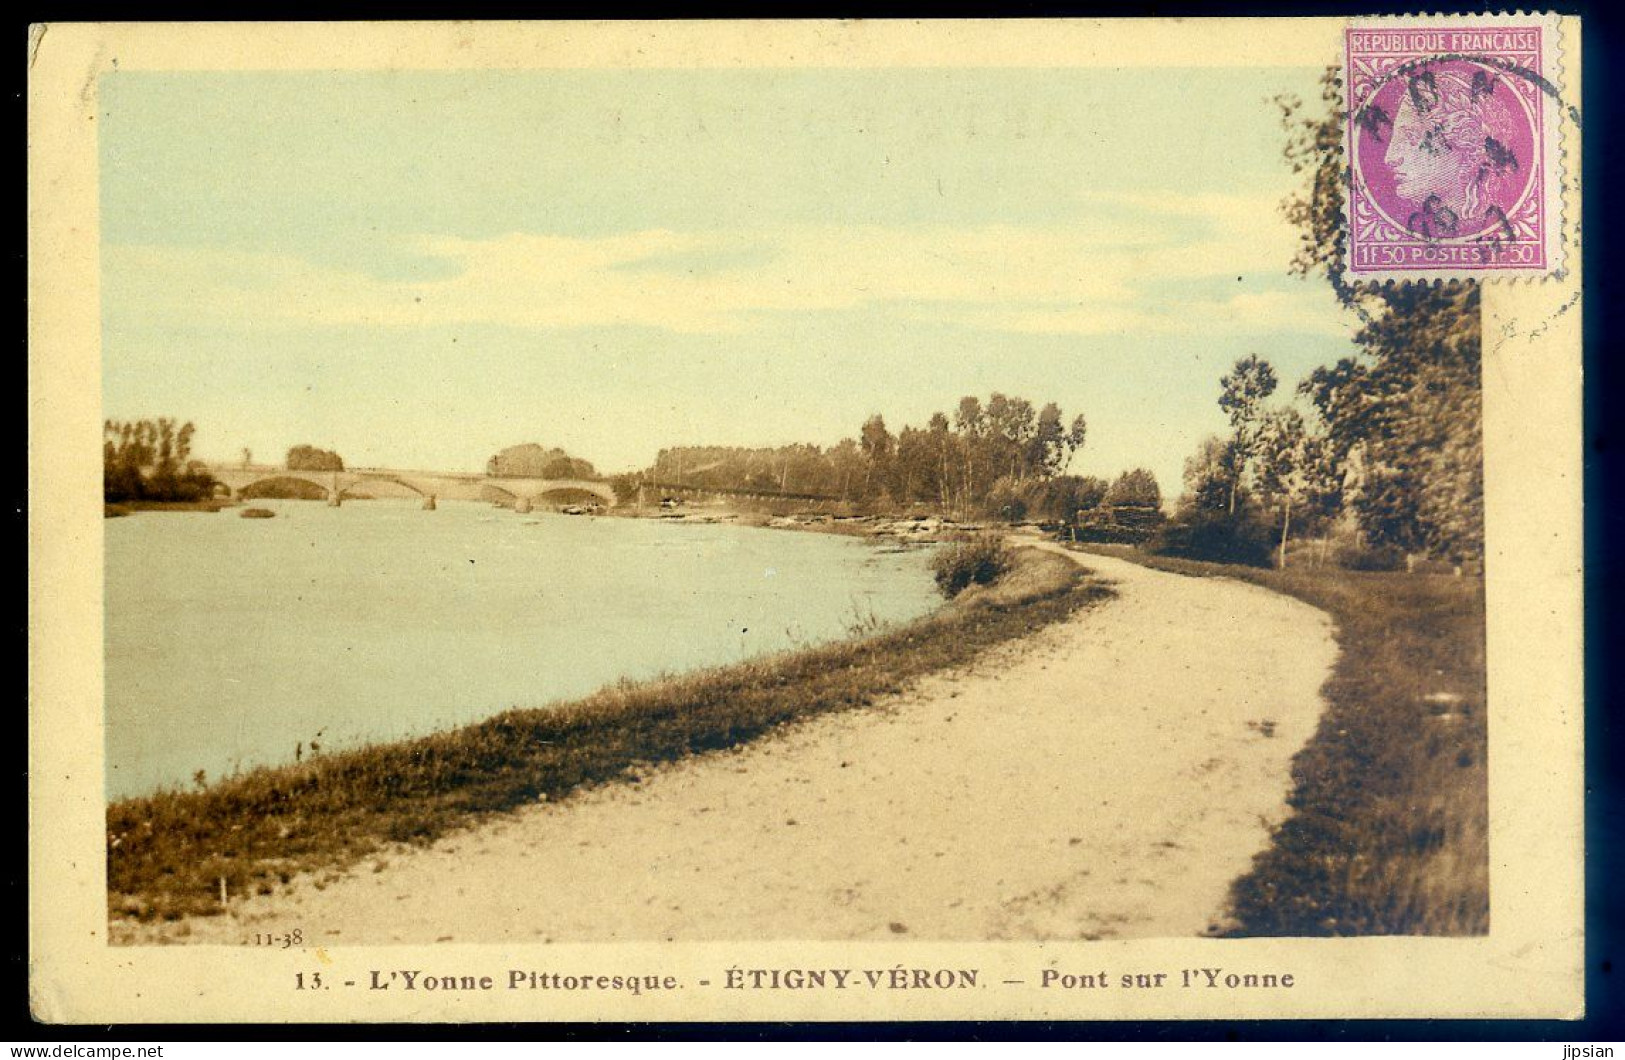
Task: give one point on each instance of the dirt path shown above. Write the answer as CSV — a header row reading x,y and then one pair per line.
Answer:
x,y
1108,779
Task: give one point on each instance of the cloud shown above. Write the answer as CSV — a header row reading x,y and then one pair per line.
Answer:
x,y
1110,271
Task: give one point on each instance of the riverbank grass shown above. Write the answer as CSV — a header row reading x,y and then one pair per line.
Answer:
x,y
172,853
1390,829
117,509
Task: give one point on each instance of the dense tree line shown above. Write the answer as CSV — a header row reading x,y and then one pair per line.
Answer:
x,y
151,460
1002,458
1391,447
310,458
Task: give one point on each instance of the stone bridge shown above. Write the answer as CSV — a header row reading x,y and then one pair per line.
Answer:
x,y
520,493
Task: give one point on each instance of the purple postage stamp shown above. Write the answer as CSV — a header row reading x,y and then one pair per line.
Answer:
x,y
1452,147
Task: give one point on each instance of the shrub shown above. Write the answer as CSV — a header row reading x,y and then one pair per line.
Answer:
x,y
979,560
1218,538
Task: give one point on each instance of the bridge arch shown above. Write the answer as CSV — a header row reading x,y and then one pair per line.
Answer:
x,y
357,487
290,486
547,491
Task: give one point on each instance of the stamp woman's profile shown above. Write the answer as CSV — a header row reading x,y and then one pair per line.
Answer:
x,y
1451,152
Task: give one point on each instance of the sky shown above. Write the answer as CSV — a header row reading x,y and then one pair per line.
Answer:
x,y
417,269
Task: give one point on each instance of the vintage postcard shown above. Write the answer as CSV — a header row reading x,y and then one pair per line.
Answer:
x,y
1060,520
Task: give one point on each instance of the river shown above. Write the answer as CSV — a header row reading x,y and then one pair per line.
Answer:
x,y
232,643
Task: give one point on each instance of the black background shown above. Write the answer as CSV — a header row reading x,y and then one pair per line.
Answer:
x,y
1605,531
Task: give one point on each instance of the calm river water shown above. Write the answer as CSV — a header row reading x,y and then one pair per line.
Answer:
x,y
230,642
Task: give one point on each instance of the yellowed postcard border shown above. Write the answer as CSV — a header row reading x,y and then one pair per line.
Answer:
x,y
1531,964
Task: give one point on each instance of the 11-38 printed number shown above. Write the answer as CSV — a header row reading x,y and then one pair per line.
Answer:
x,y
287,940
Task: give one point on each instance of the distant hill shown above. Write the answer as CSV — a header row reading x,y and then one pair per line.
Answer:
x,y
533,461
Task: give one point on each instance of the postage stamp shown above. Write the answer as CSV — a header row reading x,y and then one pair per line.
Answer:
x,y
1451,146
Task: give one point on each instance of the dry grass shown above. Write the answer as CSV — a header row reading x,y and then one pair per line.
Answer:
x,y
168,852
1390,834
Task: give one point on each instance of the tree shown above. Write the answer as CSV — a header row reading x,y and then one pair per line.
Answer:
x,y
918,466
1451,507
533,461
310,458
1241,395
971,430
969,418
1046,452
846,464
1283,456
567,467
1012,430
1134,489
1063,497
1052,445
151,460
1075,436
1212,475
877,446
875,441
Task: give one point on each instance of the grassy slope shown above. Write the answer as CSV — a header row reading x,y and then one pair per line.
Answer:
x,y
167,852
1391,823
